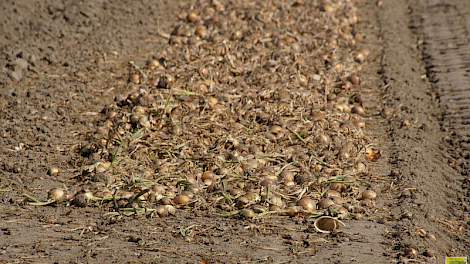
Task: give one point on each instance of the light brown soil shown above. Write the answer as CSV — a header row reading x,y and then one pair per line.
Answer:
x,y
61,59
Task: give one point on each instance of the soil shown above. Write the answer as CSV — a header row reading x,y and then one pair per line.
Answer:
x,y
63,61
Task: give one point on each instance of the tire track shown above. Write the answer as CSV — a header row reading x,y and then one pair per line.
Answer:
x,y
444,27
446,51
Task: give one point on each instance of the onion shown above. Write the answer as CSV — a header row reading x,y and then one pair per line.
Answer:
x,y
135,117
276,200
342,107
208,177
277,131
248,198
83,198
428,253
201,31
165,201
324,139
181,199
188,193
325,203
266,182
339,187
328,8
253,196
104,193
357,109
144,121
355,80
368,194
373,154
212,102
332,193
158,189
338,200
153,64
125,195
288,177
53,171
362,56
102,167
250,164
367,203
193,17
360,167
139,110
411,252
339,67
318,116
303,80
293,211
247,213
235,191
339,210
56,194
307,204
162,211
421,232
170,209
135,78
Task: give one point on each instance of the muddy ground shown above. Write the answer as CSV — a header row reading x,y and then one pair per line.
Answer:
x,y
63,61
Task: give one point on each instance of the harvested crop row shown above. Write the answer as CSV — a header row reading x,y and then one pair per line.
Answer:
x,y
253,109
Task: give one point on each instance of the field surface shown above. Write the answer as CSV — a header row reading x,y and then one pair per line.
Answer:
x,y
216,131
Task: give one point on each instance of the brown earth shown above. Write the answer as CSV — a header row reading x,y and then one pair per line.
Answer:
x,y
63,61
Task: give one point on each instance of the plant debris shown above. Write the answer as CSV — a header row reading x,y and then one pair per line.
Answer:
x,y
253,109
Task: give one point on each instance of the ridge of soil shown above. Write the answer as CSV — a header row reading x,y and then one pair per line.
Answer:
x,y
443,28
425,168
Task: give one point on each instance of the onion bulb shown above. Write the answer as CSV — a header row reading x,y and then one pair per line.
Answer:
x,y
307,204
54,171
411,252
208,177
357,109
369,195
325,203
181,199
293,211
247,213
161,211
56,194
193,17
